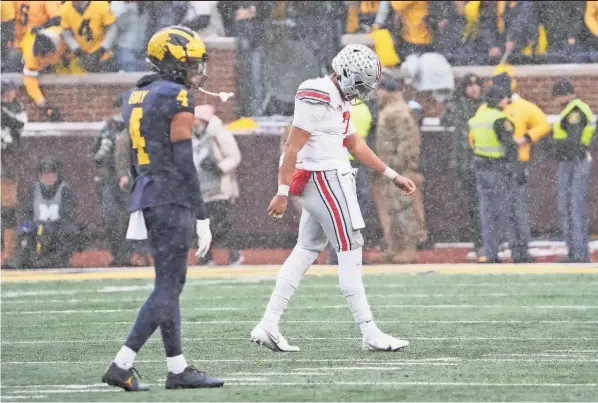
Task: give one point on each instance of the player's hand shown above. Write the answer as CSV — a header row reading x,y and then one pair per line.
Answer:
x,y
278,206
204,237
405,184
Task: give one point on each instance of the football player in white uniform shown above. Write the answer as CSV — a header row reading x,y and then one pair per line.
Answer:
x,y
315,167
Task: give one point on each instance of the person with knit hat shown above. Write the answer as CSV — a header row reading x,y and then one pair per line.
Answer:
x,y
531,124
466,101
491,138
572,136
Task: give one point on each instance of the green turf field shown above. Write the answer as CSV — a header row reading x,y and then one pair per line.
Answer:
x,y
473,337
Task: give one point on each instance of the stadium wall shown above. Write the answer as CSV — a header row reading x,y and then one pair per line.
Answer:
x,y
88,98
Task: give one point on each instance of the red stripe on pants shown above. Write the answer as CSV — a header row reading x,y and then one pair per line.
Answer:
x,y
335,211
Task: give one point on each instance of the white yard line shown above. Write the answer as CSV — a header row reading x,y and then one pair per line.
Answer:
x,y
455,384
331,360
294,372
330,322
91,389
311,308
224,339
139,299
228,284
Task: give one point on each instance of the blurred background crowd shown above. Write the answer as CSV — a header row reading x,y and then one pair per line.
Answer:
x,y
279,44
78,36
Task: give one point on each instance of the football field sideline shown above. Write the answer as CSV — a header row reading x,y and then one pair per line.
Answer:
x,y
227,272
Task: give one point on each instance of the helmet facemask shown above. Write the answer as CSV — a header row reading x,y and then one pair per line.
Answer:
x,y
197,72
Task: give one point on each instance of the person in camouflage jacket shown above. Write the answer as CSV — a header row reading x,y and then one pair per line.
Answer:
x,y
397,143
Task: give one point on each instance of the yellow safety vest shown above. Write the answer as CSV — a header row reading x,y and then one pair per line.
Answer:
x,y
485,140
361,116
559,134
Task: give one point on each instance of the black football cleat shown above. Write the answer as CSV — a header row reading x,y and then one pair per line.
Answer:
x,y
191,378
124,378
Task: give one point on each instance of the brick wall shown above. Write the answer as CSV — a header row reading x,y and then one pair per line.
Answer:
x,y
80,102
84,102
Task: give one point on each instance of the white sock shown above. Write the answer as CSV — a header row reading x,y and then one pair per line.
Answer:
x,y
351,283
177,364
125,357
287,281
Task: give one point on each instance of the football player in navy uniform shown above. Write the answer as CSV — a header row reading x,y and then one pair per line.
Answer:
x,y
166,199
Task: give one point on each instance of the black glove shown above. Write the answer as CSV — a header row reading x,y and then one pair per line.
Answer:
x,y
208,164
53,113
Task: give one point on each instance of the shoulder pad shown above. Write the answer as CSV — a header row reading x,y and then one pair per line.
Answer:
x,y
313,95
170,89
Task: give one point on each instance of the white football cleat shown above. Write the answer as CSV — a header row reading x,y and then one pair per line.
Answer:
x,y
277,342
383,342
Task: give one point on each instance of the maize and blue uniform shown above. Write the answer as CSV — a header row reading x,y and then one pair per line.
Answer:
x,y
169,198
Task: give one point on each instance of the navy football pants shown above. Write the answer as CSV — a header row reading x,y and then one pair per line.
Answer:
x,y
170,233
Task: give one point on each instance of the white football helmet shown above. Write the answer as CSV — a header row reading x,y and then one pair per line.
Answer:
x,y
358,70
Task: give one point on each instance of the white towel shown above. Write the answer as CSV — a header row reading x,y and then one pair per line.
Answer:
x,y
137,229
347,181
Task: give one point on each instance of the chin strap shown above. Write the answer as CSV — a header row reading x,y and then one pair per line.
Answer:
x,y
224,96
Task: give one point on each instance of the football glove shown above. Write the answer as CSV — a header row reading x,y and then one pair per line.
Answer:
x,y
204,237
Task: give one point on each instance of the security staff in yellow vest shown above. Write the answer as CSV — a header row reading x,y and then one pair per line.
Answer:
x,y
491,138
531,124
572,135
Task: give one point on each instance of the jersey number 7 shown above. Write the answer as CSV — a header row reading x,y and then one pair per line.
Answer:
x,y
346,118
137,140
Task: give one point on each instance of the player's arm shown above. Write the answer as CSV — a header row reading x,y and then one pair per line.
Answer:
x,y
180,137
182,147
358,148
295,141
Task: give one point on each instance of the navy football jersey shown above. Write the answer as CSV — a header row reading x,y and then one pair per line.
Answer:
x,y
148,112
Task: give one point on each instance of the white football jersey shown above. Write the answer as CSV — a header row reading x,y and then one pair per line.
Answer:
x,y
321,110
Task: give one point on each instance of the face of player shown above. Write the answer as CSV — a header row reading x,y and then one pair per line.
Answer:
x,y
197,74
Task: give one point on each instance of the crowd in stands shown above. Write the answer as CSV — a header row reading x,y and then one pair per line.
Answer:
x,y
70,37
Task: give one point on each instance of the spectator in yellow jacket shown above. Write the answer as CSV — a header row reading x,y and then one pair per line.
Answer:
x,y
531,124
43,50
591,20
415,33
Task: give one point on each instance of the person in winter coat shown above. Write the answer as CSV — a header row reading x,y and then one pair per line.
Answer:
x,y
462,108
531,124
217,156
49,219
